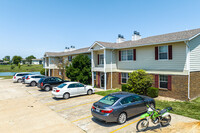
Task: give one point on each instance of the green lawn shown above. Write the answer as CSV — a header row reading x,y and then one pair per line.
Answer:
x,y
189,109
24,68
6,77
104,93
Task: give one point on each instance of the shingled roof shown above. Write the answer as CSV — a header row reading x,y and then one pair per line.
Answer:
x,y
170,37
77,51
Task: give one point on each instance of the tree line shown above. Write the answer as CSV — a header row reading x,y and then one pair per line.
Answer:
x,y
17,59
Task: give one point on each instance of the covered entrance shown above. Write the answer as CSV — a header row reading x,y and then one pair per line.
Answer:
x,y
102,80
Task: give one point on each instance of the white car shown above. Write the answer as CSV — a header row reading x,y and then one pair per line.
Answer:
x,y
17,77
68,89
32,80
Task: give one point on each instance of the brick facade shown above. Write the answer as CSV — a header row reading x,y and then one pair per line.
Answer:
x,y
179,85
194,84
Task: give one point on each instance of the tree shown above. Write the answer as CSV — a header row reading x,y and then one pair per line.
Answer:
x,y
19,65
29,58
80,69
139,81
6,58
16,59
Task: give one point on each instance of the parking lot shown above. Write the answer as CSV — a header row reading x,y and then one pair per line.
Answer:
x,y
77,111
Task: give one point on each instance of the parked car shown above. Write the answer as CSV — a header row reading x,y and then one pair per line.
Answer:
x,y
119,106
17,77
48,83
25,76
32,80
69,89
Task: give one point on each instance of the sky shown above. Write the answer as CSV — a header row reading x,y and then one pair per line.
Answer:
x,y
33,27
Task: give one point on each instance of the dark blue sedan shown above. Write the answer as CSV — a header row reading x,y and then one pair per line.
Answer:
x,y
119,106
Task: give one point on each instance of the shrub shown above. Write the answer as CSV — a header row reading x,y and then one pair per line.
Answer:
x,y
43,72
139,81
19,65
125,88
12,67
152,92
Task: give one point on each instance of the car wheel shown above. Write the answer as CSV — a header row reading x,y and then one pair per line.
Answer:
x,y
19,80
89,92
47,88
66,96
122,118
33,83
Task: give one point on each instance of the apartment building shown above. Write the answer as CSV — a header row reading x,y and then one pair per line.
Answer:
x,y
173,61
53,59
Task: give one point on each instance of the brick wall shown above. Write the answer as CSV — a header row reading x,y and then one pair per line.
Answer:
x,y
179,87
194,84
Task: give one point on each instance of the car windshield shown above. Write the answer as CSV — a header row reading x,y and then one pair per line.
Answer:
x,y
109,100
61,85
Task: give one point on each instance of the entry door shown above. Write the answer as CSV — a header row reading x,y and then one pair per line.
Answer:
x,y
102,80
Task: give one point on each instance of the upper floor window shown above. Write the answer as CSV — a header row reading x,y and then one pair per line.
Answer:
x,y
101,59
124,77
163,52
127,55
163,81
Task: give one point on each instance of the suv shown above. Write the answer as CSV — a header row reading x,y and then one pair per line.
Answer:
x,y
48,83
17,77
32,80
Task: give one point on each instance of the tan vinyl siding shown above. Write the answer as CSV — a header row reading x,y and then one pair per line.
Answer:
x,y
195,54
145,59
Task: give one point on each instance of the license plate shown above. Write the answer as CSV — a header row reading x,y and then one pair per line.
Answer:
x,y
97,110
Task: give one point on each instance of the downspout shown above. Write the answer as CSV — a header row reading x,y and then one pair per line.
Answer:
x,y
111,68
188,67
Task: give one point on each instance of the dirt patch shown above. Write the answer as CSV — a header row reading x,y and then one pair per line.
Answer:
x,y
181,127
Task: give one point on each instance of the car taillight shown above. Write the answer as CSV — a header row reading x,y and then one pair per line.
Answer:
x,y
93,107
107,111
28,78
57,90
14,77
42,84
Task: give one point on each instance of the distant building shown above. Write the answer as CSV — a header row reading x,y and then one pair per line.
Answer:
x,y
4,62
37,61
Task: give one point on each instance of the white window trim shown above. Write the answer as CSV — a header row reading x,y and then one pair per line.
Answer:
x,y
126,78
159,83
127,55
159,53
100,60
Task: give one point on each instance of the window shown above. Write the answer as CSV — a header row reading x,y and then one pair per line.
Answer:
x,y
72,86
95,75
127,55
137,98
58,79
61,85
101,59
124,77
79,85
127,100
163,52
163,81
109,100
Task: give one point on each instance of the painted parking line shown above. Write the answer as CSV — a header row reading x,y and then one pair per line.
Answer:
x,y
55,102
74,106
44,97
82,118
125,126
